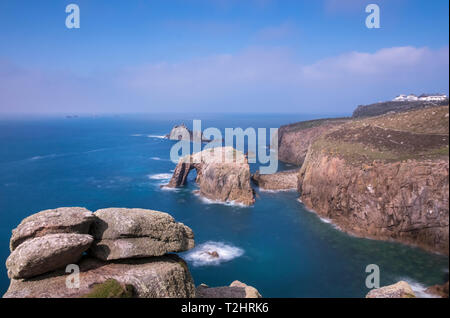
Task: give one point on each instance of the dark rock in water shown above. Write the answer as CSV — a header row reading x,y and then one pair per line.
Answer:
x,y
439,290
181,132
111,288
235,290
223,175
285,180
130,233
155,277
213,254
399,290
62,220
47,253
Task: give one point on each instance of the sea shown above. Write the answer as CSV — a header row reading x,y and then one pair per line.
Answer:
x,y
276,245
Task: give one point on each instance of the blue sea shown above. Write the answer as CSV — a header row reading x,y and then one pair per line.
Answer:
x,y
277,245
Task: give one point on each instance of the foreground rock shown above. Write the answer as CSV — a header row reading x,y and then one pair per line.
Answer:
x,y
181,132
131,233
235,290
62,220
47,253
157,277
384,178
286,180
295,139
223,175
398,290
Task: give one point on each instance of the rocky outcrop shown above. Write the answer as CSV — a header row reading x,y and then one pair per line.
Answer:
x,y
156,277
37,265
235,290
47,253
295,139
398,290
181,132
285,180
223,175
382,183
130,233
62,220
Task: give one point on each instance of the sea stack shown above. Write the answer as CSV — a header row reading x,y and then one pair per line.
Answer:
x,y
223,174
181,132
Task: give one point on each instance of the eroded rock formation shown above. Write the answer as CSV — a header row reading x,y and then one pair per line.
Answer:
x,y
285,180
223,174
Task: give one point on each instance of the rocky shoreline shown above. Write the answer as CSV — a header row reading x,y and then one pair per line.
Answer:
x,y
117,252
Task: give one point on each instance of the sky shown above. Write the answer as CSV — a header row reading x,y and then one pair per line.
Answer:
x,y
263,56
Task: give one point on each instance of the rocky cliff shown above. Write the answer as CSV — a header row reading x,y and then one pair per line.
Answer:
x,y
223,175
381,108
295,139
385,177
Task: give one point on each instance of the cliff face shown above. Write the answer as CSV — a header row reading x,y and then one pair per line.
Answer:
x,y
295,139
223,174
403,201
384,183
394,106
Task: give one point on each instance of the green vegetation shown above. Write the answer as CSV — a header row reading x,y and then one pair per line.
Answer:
x,y
110,289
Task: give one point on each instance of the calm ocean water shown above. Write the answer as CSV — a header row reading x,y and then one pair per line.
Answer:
x,y
120,161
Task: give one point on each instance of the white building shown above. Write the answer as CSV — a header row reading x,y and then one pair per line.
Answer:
x,y
404,98
423,97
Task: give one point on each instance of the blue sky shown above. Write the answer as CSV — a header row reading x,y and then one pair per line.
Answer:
x,y
218,55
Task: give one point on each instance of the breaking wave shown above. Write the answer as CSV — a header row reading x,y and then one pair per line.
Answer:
x,y
213,253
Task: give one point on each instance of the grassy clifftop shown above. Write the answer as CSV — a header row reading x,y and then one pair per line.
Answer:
x,y
417,134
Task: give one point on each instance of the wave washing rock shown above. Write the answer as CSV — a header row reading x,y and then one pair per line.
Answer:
x,y
181,132
235,290
285,180
47,253
156,277
223,175
295,139
398,290
383,183
129,233
62,220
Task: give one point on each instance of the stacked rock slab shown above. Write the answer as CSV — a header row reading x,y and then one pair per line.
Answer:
x,y
136,239
236,289
135,233
49,240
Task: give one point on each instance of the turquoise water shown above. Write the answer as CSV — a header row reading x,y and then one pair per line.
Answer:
x,y
120,161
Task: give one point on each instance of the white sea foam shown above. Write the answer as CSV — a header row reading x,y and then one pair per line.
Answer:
x,y
155,158
160,176
156,136
418,288
44,157
210,201
136,135
199,256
